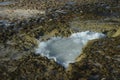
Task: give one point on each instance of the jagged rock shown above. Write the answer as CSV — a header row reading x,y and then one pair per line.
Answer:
x,y
98,61
24,68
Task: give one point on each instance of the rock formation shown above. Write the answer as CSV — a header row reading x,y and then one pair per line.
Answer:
x,y
22,24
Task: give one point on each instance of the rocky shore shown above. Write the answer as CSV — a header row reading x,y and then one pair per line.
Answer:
x,y
24,22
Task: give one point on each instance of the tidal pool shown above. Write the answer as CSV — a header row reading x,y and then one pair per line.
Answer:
x,y
66,50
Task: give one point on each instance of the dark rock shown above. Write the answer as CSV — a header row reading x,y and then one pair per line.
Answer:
x,y
97,66
18,38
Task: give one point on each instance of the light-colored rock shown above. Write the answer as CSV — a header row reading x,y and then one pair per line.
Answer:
x,y
19,13
117,33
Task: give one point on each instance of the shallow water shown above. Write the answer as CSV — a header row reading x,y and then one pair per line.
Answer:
x,y
4,23
6,3
66,50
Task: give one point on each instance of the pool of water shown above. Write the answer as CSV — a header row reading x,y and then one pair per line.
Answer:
x,y
66,50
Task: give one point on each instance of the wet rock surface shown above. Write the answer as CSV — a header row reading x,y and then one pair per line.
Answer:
x,y
100,60
19,37
31,67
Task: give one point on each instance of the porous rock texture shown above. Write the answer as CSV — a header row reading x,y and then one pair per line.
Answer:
x,y
19,37
99,60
